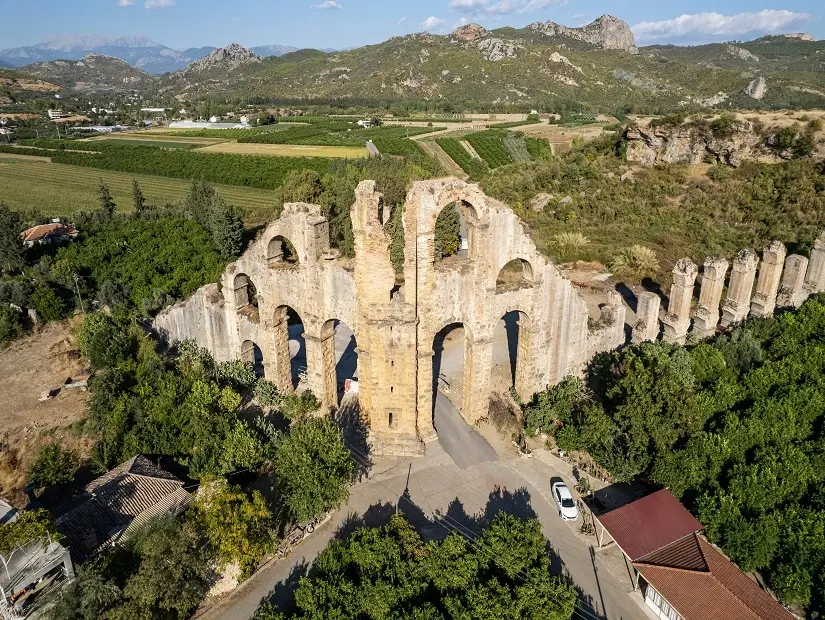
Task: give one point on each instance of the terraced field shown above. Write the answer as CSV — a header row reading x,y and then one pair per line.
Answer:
x,y
60,189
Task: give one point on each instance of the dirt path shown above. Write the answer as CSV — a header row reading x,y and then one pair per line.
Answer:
x,y
469,148
445,160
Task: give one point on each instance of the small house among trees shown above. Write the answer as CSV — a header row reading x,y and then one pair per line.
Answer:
x,y
54,232
118,503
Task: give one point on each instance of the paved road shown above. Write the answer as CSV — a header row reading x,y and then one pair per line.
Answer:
x,y
459,440
520,486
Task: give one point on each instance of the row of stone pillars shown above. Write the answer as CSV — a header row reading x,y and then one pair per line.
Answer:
x,y
783,281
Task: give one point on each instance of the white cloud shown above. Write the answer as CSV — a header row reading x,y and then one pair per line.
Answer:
x,y
462,21
432,22
403,21
159,4
703,27
125,2
328,5
486,8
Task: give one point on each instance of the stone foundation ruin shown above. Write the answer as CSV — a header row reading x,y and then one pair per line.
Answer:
x,y
291,270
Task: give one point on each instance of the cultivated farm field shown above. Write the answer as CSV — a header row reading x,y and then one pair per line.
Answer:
x,y
286,150
60,189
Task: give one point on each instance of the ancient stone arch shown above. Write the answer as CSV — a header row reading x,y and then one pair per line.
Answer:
x,y
396,317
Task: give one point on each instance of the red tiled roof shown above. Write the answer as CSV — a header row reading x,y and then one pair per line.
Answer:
x,y
648,524
717,590
44,231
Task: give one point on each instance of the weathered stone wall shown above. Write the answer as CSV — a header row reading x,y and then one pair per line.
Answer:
x,y
395,324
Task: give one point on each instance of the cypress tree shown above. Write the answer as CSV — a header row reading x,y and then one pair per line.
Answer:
x,y
107,203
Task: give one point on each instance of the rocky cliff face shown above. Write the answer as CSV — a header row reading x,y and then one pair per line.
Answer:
x,y
694,143
469,33
607,32
228,57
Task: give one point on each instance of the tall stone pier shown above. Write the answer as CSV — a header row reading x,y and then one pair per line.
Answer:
x,y
677,319
740,289
815,277
647,318
770,273
706,316
792,289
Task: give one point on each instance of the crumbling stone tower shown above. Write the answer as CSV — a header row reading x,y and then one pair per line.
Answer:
x,y
396,318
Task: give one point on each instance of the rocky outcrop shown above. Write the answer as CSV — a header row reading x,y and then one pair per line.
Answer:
x,y
469,33
694,143
803,36
498,49
229,57
558,58
607,32
757,88
741,52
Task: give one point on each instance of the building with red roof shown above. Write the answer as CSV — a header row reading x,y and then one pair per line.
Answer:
x,y
53,232
683,576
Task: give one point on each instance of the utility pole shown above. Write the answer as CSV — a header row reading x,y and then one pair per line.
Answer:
x,y
77,288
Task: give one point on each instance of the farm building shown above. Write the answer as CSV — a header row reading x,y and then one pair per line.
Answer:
x,y
53,232
683,576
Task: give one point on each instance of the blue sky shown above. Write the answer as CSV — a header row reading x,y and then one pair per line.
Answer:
x,y
346,23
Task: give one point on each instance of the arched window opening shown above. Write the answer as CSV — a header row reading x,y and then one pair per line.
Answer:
x,y
246,294
281,252
449,347
251,354
340,360
453,228
515,275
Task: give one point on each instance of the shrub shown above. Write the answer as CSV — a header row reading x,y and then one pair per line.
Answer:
x,y
267,393
573,240
29,525
105,340
638,261
52,466
671,120
719,173
296,406
238,373
11,324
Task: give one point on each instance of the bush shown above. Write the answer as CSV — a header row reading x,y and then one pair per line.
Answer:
x,y
29,525
637,261
107,340
573,240
313,468
238,373
296,406
267,393
53,466
11,324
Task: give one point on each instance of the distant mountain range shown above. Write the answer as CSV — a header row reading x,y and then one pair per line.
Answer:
x,y
140,52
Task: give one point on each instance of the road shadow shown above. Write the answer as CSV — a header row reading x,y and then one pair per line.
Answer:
x,y
283,594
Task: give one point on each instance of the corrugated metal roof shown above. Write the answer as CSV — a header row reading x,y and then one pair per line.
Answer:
x,y
648,524
720,591
116,499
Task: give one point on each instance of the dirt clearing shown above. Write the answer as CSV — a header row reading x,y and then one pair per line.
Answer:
x,y
28,367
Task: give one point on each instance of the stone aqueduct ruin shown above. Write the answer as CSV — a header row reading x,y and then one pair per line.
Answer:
x,y
395,325
396,322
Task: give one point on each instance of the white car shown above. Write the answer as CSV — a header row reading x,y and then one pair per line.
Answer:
x,y
568,510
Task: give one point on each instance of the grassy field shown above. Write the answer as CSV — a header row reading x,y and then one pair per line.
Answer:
x,y
285,150
11,158
162,144
60,190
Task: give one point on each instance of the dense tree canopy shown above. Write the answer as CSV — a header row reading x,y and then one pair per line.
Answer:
x,y
389,572
735,427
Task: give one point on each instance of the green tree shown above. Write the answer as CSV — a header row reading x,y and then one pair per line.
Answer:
x,y
173,575
138,199
46,303
447,232
11,324
53,465
11,245
240,527
87,597
226,227
107,203
107,340
29,525
313,468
